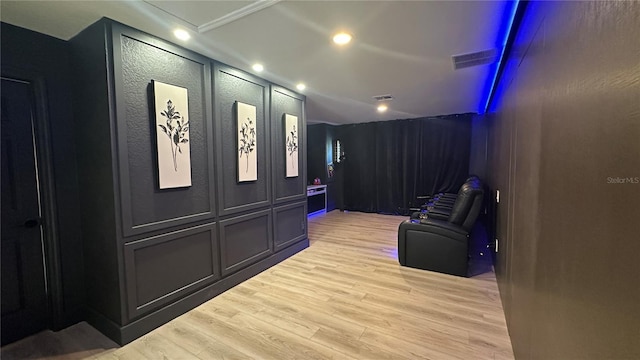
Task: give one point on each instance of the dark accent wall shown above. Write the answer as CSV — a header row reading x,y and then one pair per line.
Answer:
x,y
565,155
95,174
144,207
290,224
317,152
285,188
231,86
27,55
335,184
153,254
322,139
158,271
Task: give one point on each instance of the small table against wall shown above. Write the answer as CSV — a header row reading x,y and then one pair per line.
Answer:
x,y
316,199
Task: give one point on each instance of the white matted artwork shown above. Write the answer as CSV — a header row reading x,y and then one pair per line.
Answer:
x,y
291,144
172,131
247,143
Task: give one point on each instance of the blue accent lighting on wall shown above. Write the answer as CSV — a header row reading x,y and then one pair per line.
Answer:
x,y
505,30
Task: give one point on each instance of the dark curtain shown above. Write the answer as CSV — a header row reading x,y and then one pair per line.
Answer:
x,y
389,163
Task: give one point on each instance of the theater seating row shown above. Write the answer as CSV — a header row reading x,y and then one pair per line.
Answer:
x,y
439,206
437,237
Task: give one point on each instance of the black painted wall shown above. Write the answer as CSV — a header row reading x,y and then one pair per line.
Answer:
x,y
334,183
92,124
286,189
27,55
321,138
144,206
565,155
216,232
233,86
316,158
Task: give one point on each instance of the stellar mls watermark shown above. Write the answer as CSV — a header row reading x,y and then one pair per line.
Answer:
x,y
623,180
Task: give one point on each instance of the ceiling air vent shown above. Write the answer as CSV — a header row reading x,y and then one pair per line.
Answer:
x,y
474,59
386,97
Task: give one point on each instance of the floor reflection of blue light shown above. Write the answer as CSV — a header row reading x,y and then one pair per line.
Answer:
x,y
392,252
316,214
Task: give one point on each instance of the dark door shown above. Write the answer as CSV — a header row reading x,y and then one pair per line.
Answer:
x,y
24,298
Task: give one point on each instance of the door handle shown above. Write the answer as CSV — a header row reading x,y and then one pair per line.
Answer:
x,y
31,223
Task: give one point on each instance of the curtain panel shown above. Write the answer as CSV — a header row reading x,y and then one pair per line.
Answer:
x,y
389,163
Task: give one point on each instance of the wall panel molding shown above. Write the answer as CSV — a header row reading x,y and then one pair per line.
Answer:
x,y
244,240
165,267
231,86
289,224
286,189
139,59
154,254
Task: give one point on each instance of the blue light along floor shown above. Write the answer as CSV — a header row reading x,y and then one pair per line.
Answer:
x,y
316,214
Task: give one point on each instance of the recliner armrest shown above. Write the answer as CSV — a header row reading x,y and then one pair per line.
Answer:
x,y
449,196
437,215
435,226
443,227
440,210
437,207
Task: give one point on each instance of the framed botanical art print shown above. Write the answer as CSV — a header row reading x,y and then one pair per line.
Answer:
x,y
172,132
247,142
291,144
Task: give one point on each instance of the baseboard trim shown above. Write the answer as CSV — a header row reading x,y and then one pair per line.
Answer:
x,y
127,333
103,324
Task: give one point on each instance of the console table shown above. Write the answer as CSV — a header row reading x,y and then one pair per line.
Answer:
x,y
316,199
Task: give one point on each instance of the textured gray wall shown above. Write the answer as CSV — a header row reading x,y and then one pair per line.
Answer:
x,y
153,253
567,127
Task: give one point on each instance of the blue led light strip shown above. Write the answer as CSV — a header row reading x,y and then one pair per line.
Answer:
x,y
502,54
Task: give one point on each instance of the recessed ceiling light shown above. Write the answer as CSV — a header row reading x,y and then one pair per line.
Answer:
x,y
182,34
301,86
258,67
342,38
382,108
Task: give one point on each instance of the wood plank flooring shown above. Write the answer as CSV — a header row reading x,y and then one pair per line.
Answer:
x,y
345,297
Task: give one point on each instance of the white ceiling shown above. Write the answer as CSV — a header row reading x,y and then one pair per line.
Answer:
x,y
402,48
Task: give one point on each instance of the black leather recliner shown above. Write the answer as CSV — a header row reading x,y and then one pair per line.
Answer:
x,y
442,203
450,196
438,244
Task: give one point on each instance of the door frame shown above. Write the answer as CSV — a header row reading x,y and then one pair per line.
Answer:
x,y
46,182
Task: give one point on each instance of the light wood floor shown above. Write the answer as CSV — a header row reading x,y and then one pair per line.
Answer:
x,y
345,297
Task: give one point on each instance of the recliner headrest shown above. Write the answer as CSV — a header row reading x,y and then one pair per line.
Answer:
x,y
467,198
